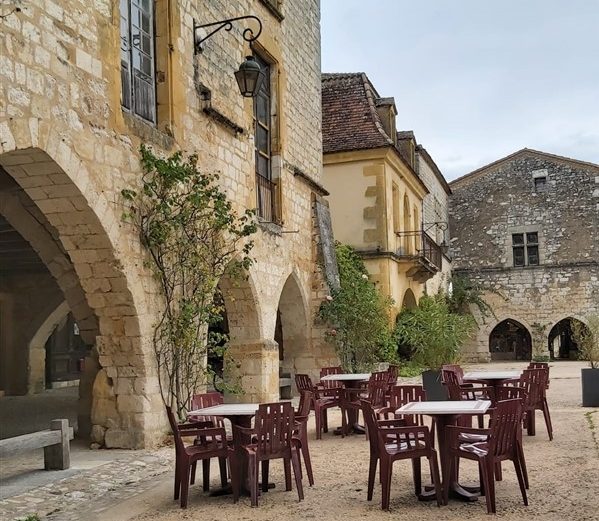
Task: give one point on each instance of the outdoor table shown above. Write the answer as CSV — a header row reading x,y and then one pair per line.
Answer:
x,y
492,379
447,413
240,414
349,381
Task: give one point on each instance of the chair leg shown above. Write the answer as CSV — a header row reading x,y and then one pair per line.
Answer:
x,y
520,450
487,477
307,461
547,419
287,467
253,477
297,473
193,473
318,416
386,472
184,484
434,468
520,476
371,476
417,475
325,420
206,474
491,485
481,480
265,467
530,419
343,422
222,463
177,480
235,477
498,471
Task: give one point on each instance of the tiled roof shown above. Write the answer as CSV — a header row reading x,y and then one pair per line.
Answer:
x,y
349,117
406,134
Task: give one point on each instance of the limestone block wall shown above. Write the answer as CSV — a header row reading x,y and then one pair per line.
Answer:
x,y
68,144
490,205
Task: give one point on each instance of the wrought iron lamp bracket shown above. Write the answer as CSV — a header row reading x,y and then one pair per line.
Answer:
x,y
227,25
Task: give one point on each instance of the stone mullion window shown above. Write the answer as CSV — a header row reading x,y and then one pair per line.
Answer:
x,y
525,248
137,58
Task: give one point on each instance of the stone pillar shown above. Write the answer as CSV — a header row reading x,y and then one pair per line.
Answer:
x,y
253,366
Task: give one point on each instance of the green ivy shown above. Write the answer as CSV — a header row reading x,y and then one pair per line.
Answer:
x,y
193,237
358,316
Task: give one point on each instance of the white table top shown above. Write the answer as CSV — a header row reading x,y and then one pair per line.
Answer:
x,y
346,377
227,409
492,375
447,407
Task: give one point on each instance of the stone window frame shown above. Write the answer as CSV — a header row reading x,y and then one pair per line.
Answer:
x,y
537,176
515,230
129,100
276,162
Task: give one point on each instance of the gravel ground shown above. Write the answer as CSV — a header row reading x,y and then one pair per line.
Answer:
x,y
564,477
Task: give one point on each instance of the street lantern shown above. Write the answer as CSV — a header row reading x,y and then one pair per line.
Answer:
x,y
249,77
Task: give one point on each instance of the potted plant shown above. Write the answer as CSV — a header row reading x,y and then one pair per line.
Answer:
x,y
435,335
587,338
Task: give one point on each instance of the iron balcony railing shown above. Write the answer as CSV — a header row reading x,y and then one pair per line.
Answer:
x,y
425,249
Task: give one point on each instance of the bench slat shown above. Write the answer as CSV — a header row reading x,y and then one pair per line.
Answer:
x,y
34,440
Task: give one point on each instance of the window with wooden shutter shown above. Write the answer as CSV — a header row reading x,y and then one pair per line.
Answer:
x,y
137,58
525,248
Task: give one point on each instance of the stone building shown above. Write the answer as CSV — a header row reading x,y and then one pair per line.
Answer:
x,y
82,85
527,228
388,198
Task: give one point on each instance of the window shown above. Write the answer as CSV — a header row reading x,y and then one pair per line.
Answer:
x,y
138,86
525,247
395,209
265,187
540,184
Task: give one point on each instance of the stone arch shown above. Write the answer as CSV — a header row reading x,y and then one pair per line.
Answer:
x,y
44,166
409,300
509,339
36,348
560,341
294,340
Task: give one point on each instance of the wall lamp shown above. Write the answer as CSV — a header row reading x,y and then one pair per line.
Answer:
x,y
249,76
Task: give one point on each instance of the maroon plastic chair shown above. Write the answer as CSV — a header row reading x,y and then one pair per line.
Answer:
x,y
301,432
535,383
392,440
271,438
375,394
540,365
500,445
320,401
458,392
212,446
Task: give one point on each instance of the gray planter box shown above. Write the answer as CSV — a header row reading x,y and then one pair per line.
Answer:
x,y
590,387
435,390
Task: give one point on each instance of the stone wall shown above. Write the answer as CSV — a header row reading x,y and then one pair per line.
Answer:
x,y
490,205
68,144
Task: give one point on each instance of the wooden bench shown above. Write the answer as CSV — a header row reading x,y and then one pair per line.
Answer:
x,y
55,442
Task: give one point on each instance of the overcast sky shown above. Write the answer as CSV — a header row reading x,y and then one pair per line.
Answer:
x,y
477,79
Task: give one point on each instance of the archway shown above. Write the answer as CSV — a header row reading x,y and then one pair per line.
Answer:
x,y
409,300
292,332
510,340
72,230
561,340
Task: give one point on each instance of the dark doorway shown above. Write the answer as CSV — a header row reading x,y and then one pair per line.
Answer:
x,y
562,345
510,340
218,337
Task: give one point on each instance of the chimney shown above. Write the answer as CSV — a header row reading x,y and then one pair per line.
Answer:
x,y
387,112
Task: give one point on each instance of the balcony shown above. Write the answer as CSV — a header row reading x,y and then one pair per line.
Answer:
x,y
421,253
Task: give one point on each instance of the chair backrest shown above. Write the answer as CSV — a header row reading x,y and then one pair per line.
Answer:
x,y
401,395
392,374
504,425
510,392
372,426
456,369
541,365
179,446
201,401
303,383
273,428
304,403
330,384
452,384
535,382
378,385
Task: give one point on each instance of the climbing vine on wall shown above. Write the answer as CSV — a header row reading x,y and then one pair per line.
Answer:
x,y
193,237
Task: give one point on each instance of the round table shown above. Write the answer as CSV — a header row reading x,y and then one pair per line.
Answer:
x,y
349,381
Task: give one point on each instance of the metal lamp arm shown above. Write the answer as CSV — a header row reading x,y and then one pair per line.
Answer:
x,y
227,25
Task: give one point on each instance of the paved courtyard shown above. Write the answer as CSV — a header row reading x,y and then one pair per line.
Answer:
x,y
137,485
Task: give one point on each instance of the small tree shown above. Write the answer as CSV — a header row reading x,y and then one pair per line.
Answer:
x,y
193,237
466,293
358,315
587,339
434,333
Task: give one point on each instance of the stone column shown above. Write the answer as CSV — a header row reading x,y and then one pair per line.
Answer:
x,y
253,366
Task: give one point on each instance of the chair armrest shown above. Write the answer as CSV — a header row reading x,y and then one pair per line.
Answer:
x,y
395,422
204,433
244,430
195,425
